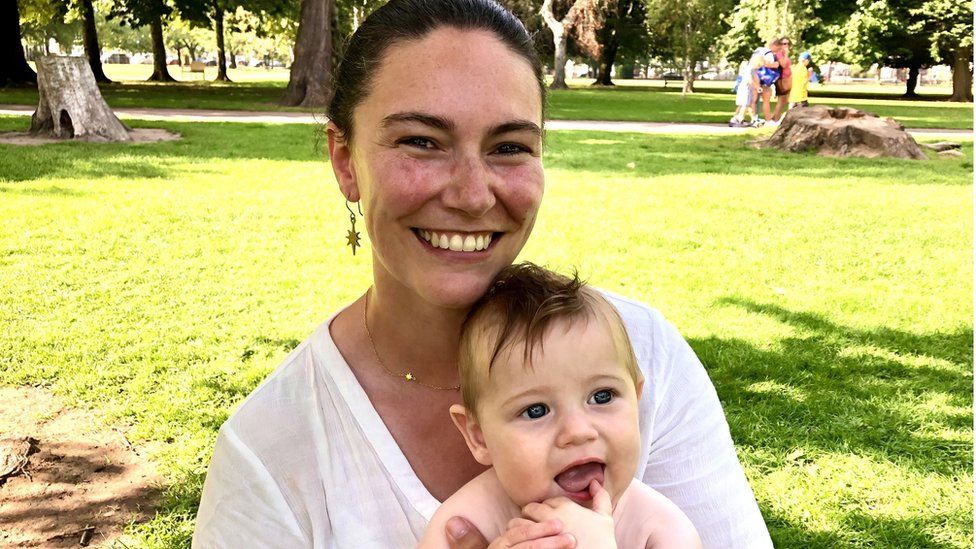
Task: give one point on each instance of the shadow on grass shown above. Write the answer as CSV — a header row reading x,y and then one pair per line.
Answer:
x,y
859,530
837,389
202,144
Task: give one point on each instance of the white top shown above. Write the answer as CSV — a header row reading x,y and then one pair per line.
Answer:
x,y
306,461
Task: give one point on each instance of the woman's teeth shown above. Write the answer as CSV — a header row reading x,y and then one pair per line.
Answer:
x,y
457,242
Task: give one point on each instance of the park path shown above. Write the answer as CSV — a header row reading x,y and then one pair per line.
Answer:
x,y
270,117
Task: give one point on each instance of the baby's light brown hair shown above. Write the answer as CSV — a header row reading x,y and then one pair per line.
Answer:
x,y
523,303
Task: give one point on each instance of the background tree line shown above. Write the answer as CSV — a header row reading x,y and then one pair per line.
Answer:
x,y
680,34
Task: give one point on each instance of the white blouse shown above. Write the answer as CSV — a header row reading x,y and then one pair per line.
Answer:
x,y
306,461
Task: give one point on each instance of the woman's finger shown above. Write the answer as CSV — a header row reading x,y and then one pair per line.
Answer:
x,y
461,534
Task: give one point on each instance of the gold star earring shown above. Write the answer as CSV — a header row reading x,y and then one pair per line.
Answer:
x,y
352,237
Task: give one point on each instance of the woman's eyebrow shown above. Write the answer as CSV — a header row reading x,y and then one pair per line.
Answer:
x,y
421,118
517,126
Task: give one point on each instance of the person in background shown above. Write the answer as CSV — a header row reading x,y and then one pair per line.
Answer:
x,y
747,89
769,73
799,94
785,81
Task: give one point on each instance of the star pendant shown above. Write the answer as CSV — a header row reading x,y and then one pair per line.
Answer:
x,y
352,239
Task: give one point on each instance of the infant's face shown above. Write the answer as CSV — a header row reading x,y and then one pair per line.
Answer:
x,y
569,418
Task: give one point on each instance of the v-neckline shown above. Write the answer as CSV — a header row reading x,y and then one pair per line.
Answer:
x,y
377,434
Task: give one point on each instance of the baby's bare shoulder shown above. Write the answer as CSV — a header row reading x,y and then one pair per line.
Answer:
x,y
645,518
481,501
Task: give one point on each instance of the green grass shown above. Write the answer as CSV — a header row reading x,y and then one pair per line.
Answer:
x,y
638,100
659,104
830,300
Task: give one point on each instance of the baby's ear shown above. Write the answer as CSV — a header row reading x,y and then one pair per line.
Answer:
x,y
467,423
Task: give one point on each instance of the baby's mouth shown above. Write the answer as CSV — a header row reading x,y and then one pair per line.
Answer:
x,y
576,479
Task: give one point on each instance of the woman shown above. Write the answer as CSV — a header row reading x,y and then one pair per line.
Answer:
x,y
436,131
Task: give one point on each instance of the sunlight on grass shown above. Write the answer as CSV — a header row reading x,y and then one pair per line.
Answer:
x,y
830,300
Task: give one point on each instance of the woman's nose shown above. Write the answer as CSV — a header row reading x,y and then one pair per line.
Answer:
x,y
575,428
472,186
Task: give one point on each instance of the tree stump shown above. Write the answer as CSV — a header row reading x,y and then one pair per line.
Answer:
x,y
71,105
841,131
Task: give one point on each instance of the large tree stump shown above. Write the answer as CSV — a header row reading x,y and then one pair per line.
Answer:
x,y
841,131
71,105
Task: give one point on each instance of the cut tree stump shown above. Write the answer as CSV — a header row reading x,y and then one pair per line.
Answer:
x,y
71,105
841,131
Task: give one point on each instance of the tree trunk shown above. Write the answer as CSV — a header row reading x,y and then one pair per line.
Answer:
x,y
179,56
71,105
232,62
912,82
559,38
160,72
308,83
962,76
14,70
607,56
221,55
92,50
689,78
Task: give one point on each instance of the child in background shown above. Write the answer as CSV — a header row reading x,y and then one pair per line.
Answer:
x,y
801,82
550,387
747,92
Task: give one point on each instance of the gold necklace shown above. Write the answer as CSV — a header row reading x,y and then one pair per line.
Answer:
x,y
406,376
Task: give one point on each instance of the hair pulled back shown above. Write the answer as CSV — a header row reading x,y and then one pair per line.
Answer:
x,y
403,20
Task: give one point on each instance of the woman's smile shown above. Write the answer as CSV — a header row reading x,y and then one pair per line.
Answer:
x,y
457,241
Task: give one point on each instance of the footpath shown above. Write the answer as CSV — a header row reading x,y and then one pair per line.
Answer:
x,y
270,117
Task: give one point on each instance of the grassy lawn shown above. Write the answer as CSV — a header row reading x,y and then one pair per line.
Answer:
x,y
830,300
634,100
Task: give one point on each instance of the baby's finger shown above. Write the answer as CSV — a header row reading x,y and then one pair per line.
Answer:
x,y
562,541
601,498
527,530
537,512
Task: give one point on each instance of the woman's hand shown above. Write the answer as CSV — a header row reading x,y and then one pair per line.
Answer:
x,y
592,528
521,534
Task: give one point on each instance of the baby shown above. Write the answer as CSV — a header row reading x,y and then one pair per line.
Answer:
x,y
550,387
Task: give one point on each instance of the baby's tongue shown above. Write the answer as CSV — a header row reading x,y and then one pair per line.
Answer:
x,y
578,478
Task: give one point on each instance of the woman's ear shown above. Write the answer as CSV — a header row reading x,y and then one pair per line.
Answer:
x,y
471,431
340,156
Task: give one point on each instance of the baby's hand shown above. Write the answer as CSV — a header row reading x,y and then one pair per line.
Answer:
x,y
592,528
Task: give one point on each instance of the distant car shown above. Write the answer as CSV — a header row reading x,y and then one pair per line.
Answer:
x,y
711,75
116,58
672,76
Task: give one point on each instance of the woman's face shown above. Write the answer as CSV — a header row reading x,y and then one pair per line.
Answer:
x,y
446,158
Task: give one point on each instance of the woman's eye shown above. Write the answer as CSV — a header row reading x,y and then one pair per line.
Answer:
x,y
512,148
535,411
601,397
418,142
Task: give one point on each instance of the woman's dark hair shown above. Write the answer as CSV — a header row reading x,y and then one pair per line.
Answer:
x,y
402,20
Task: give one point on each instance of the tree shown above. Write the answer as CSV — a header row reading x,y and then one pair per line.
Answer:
x,y
92,49
688,31
560,36
309,81
948,25
138,13
14,70
605,29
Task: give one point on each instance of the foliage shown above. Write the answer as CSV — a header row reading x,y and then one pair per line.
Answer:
x,y
753,23
688,30
158,284
41,20
948,26
113,35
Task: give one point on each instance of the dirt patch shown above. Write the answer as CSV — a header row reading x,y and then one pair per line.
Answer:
x,y
63,483
138,135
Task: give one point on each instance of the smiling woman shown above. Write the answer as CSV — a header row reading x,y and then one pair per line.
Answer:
x,y
436,131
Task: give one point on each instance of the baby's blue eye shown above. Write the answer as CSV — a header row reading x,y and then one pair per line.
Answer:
x,y
602,397
536,411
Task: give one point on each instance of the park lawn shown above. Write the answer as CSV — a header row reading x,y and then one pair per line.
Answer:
x,y
829,299
658,104
649,103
